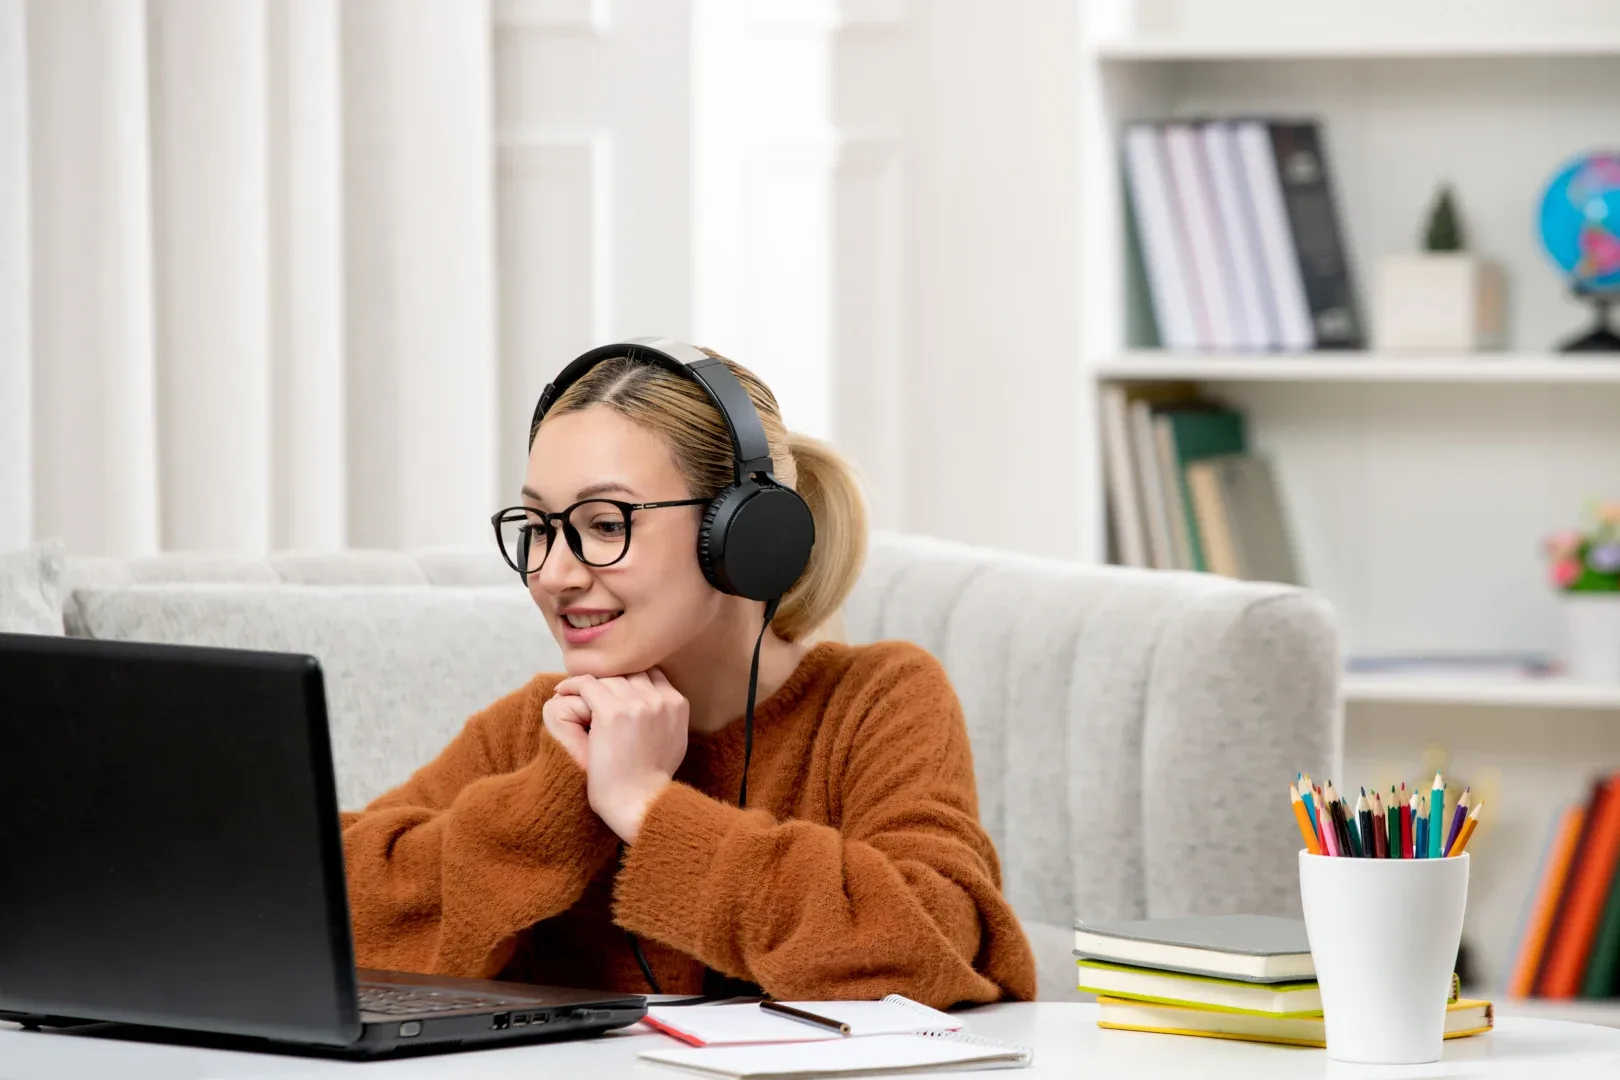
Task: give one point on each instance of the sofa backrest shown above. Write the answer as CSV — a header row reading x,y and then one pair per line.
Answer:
x,y
1132,730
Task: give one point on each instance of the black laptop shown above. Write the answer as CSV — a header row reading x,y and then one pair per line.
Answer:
x,y
170,857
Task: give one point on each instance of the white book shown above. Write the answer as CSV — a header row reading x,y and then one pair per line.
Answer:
x,y
1256,319
1163,250
1205,244
1125,500
1276,237
879,1055
1155,509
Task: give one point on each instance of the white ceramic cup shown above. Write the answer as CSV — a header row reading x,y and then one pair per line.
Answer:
x,y
1384,936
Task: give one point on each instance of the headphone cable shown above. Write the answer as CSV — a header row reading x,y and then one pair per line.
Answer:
x,y
742,793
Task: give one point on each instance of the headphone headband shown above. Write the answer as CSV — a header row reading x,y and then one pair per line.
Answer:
x,y
750,451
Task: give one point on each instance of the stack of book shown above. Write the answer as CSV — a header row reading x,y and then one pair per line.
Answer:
x,y
1185,492
1239,236
1569,935
1246,977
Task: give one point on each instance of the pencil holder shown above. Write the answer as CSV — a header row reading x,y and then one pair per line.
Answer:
x,y
1384,936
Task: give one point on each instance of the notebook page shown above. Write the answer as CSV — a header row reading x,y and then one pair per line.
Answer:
x,y
893,1054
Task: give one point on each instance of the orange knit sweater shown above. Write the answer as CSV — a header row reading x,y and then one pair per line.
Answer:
x,y
859,868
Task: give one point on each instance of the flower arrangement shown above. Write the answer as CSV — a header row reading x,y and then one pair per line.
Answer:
x,y
1588,561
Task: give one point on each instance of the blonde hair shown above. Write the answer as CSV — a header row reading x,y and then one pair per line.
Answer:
x,y
679,410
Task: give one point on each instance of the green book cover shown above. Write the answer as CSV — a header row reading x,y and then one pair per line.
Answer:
x,y
1201,432
1603,967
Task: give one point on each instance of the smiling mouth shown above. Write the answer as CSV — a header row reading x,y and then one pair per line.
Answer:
x,y
585,622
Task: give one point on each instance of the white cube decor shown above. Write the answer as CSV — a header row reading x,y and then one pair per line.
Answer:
x,y
1439,302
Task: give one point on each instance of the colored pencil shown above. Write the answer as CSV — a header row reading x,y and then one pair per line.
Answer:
x,y
1379,832
1306,831
1308,797
1461,843
1340,826
1437,818
1364,825
1424,825
1409,827
1458,816
1330,840
1394,811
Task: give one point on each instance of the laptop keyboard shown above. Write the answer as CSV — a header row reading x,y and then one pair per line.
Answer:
x,y
416,1000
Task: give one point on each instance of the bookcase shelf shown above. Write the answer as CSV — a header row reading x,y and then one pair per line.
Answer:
x,y
1195,50
1361,367
1417,490
1523,693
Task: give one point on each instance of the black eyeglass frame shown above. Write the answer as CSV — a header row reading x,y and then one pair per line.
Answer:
x,y
576,544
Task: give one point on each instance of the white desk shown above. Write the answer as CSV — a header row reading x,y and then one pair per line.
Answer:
x,y
1068,1045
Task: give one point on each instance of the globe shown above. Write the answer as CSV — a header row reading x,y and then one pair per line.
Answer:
x,y
1580,221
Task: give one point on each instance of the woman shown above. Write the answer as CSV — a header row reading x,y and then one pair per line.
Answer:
x,y
605,800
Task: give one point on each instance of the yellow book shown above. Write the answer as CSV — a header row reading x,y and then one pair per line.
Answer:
x,y
1199,991
1463,1017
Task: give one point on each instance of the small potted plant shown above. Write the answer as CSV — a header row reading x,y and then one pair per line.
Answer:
x,y
1585,567
1444,298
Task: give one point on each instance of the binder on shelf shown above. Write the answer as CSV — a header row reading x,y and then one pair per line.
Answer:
x,y
1164,256
1255,307
1209,273
1282,270
1319,244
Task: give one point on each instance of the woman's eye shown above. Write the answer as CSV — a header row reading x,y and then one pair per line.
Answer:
x,y
608,526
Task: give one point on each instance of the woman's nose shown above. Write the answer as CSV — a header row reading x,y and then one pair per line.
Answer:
x,y
560,571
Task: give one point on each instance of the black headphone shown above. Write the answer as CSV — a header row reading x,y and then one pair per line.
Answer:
x,y
756,535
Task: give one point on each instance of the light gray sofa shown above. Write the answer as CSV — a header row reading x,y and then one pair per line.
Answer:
x,y
1133,731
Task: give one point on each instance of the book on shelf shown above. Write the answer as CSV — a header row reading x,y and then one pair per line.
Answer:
x,y
1568,934
1183,490
1238,227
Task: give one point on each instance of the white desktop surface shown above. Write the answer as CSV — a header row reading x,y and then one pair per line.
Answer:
x,y
1067,1042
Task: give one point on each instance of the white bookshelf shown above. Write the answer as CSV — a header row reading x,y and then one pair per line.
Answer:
x,y
1602,1012
1418,489
1513,369
1544,694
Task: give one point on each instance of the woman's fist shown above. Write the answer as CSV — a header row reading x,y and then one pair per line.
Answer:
x,y
637,739
568,719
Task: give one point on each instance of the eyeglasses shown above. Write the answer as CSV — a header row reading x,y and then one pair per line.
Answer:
x,y
597,530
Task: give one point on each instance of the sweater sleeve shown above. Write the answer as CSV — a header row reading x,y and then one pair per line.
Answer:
x,y
489,838
902,897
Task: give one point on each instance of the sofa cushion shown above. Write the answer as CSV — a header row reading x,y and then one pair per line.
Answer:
x,y
404,666
31,589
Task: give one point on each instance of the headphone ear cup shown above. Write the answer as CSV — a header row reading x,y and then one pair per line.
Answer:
x,y
706,548
755,540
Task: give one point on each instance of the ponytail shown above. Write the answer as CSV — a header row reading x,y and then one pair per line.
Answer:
x,y
831,487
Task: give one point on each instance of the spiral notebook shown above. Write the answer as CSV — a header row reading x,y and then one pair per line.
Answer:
x,y
874,1055
736,1025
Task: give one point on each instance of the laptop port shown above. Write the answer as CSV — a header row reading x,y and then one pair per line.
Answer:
x,y
502,1021
519,1019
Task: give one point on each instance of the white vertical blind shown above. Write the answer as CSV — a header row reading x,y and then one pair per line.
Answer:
x,y
208,138
95,473
309,489
16,382
418,181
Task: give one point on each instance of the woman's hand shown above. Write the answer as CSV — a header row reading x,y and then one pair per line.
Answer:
x,y
568,719
638,728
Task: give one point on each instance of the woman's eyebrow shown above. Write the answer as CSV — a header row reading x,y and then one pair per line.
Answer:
x,y
587,491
